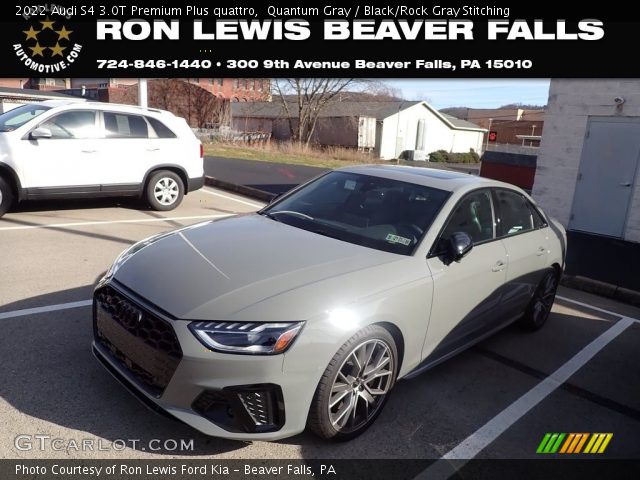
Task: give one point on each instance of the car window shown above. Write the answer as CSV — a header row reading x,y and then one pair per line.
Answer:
x,y
473,216
120,125
18,116
515,214
371,211
72,125
160,129
538,219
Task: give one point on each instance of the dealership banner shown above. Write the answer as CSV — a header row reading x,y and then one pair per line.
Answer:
x,y
187,469
232,39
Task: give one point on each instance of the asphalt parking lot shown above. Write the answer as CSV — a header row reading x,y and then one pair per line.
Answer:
x,y
578,374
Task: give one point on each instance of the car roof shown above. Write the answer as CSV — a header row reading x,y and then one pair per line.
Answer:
x,y
441,179
81,103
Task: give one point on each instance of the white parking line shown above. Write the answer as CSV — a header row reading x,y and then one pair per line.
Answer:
x,y
591,307
111,222
235,199
46,309
490,431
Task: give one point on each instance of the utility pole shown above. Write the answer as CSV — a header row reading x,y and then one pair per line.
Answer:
x,y
142,92
488,133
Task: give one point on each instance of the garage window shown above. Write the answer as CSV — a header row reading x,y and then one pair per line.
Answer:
x,y
120,125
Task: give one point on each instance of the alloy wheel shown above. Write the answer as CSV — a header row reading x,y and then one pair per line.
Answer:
x,y
546,295
166,191
362,383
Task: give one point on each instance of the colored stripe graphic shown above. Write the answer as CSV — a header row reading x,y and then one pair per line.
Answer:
x,y
573,443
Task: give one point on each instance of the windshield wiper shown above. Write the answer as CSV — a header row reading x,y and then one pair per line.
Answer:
x,y
290,212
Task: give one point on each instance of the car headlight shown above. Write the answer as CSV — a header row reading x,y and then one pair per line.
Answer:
x,y
247,337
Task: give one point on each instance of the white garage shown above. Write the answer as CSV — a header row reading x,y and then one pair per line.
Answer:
x,y
418,127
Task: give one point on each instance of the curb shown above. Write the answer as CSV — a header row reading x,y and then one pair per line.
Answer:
x,y
603,289
241,189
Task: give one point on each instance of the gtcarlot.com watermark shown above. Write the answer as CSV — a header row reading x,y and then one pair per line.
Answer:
x,y
43,443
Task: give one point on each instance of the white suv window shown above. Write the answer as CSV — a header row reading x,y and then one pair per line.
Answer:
x,y
121,125
74,124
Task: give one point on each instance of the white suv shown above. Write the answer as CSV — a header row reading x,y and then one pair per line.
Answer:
x,y
70,148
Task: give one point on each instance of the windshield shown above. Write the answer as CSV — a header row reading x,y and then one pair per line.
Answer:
x,y
17,117
370,211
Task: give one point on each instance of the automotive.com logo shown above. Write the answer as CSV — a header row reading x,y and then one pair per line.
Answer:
x,y
47,46
573,443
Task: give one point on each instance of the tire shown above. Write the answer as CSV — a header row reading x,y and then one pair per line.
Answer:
x,y
539,307
6,196
164,191
344,385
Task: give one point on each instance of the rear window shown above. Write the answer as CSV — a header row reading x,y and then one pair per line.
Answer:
x,y
121,125
162,131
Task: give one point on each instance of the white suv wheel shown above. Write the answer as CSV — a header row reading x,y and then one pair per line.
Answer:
x,y
165,190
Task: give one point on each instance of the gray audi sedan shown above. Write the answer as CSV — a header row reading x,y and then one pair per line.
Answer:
x,y
306,313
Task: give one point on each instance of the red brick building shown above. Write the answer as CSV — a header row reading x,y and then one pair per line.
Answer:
x,y
232,89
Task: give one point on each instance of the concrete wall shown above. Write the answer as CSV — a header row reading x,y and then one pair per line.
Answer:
x,y
438,136
571,103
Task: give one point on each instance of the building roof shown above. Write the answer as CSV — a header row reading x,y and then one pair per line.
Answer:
x,y
26,93
275,109
376,109
459,123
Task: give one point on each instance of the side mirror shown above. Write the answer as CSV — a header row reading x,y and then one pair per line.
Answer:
x,y
40,132
460,244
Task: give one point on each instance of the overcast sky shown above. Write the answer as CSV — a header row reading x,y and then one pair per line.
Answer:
x,y
489,93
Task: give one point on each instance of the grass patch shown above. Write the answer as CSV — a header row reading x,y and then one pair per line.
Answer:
x,y
331,157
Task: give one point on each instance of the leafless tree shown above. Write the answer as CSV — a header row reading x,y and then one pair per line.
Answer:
x,y
304,99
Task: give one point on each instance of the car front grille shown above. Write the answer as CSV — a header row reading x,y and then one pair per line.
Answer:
x,y
138,340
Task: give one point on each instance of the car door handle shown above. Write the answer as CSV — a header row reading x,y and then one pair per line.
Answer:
x,y
541,251
89,151
625,184
152,149
498,267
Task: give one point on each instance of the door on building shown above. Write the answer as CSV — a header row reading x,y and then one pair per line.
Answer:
x,y
607,176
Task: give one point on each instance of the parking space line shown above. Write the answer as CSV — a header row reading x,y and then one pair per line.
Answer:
x,y
46,309
597,309
113,222
490,431
228,197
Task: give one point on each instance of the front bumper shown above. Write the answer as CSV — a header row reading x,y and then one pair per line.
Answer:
x,y
157,358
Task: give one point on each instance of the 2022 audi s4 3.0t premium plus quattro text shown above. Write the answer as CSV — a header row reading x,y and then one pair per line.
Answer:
x,y
307,312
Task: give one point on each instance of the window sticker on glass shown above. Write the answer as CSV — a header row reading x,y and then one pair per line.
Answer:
x,y
350,184
391,238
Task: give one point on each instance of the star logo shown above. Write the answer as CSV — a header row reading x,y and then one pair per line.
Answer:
x,y
47,24
31,33
37,50
47,46
63,33
57,50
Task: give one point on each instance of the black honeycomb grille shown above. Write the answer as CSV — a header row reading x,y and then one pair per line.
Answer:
x,y
143,343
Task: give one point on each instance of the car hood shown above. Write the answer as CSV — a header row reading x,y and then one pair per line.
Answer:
x,y
216,269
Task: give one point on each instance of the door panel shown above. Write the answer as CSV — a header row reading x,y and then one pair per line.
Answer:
x,y
527,247
606,177
466,298
127,148
467,294
69,158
